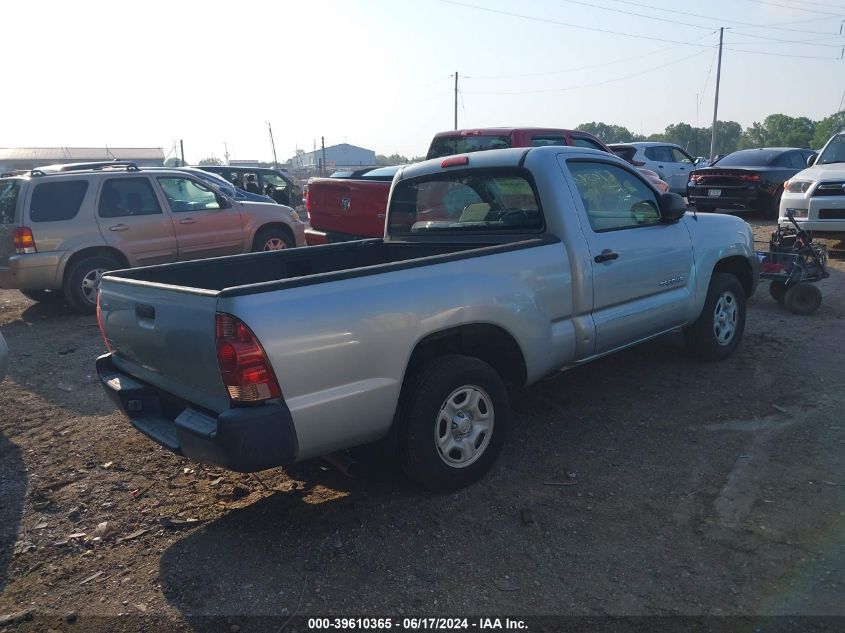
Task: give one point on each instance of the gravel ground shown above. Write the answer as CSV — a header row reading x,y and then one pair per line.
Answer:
x,y
642,484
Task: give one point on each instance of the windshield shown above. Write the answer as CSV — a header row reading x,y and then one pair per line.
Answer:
x,y
450,145
834,151
217,181
8,200
479,201
750,158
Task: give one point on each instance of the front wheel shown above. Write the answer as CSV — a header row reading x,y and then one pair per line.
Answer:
x,y
454,418
718,330
803,299
271,239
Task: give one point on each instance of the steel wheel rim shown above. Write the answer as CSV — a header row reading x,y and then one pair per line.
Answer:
x,y
91,284
725,317
274,244
464,426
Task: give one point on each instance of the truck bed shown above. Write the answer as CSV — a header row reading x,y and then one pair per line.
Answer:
x,y
261,272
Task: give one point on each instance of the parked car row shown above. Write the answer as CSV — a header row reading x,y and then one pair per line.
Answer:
x,y
63,226
352,205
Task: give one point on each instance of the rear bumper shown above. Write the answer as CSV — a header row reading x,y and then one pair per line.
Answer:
x,y
314,237
246,439
32,271
731,199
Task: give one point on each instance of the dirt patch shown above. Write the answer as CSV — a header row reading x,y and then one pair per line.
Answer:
x,y
645,483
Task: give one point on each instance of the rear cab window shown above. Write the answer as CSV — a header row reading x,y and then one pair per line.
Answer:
x,y
479,201
57,201
465,144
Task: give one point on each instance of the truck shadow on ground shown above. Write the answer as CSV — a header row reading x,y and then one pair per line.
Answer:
x,y
13,483
529,532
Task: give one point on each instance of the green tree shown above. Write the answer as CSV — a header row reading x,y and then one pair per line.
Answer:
x,y
393,159
780,130
210,161
607,132
826,128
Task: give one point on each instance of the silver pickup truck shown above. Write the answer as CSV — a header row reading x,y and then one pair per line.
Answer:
x,y
497,267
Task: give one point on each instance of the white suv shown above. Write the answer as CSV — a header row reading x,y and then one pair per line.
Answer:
x,y
816,195
671,162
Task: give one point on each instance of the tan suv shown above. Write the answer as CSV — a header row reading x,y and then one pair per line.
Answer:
x,y
62,227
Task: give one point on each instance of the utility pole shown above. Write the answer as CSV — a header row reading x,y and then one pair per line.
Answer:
x,y
323,164
226,153
273,144
456,99
716,102
182,151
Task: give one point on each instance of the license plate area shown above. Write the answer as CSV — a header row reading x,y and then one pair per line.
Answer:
x,y
714,193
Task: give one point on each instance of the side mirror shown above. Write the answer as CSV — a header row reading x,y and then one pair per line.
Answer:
x,y
811,159
672,207
222,201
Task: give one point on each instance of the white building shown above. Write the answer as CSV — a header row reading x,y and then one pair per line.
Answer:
x,y
336,157
15,158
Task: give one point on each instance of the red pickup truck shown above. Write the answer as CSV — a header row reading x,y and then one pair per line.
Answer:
x,y
351,205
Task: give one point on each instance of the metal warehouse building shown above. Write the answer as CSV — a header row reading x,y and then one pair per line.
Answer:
x,y
14,158
336,156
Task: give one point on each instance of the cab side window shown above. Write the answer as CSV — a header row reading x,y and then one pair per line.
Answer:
x,y
659,153
185,194
614,198
121,197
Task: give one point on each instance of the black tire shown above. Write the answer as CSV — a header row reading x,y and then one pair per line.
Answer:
x,y
802,299
269,235
773,210
778,290
428,401
44,296
718,330
81,282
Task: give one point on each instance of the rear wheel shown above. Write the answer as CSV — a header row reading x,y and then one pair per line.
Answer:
x,y
82,282
803,299
718,330
272,239
453,419
778,290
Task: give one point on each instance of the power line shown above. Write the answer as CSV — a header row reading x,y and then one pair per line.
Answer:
x,y
589,85
639,15
775,26
568,24
740,50
820,4
777,39
786,6
709,70
579,68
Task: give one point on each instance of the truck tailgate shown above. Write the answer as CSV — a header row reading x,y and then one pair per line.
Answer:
x,y
353,207
165,337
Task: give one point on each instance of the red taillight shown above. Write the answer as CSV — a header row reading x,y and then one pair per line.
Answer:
x,y
470,132
751,177
455,161
23,239
695,178
244,367
307,197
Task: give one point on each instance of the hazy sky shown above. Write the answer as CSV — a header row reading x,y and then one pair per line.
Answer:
x,y
379,73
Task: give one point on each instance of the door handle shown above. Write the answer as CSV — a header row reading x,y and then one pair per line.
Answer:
x,y
187,221
605,256
118,227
